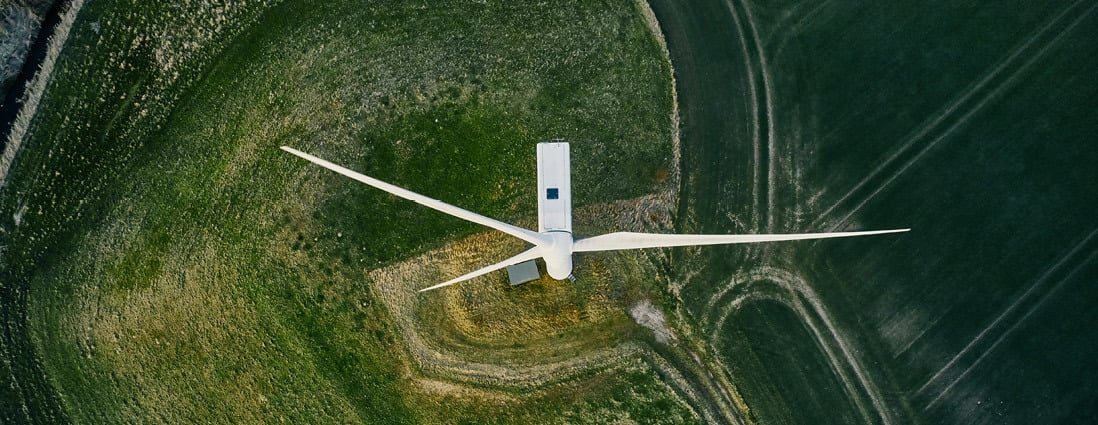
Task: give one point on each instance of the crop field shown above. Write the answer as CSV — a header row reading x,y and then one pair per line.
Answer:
x,y
972,123
162,261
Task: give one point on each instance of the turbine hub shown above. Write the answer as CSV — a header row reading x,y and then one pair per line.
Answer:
x,y
558,255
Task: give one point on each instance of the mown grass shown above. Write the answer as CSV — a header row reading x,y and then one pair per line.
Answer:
x,y
493,323
181,268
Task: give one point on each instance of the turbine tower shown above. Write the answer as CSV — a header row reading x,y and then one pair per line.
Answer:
x,y
553,241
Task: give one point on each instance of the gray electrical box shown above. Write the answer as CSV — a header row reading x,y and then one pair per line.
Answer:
x,y
523,272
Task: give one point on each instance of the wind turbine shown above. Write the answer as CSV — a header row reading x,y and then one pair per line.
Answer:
x,y
553,241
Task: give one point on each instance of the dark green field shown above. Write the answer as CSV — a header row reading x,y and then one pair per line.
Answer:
x,y
163,261
971,123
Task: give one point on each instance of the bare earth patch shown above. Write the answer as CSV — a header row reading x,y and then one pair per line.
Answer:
x,y
649,316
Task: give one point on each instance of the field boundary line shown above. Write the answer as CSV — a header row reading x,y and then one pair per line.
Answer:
x,y
36,88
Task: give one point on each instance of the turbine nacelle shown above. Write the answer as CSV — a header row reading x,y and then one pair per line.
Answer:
x,y
553,242
558,255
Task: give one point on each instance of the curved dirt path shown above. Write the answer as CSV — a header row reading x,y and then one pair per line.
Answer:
x,y
797,295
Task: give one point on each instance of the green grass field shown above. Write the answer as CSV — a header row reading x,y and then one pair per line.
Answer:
x,y
178,267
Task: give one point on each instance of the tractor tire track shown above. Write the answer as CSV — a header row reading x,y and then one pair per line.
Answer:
x,y
1034,297
990,87
1009,331
801,299
771,149
762,109
917,337
793,29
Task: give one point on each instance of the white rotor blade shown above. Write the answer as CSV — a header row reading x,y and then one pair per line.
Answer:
x,y
530,254
518,232
629,240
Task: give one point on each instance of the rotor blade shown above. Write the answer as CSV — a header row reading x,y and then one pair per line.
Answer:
x,y
518,232
629,240
530,254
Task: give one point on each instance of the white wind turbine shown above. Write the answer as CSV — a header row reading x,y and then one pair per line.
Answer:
x,y
553,241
